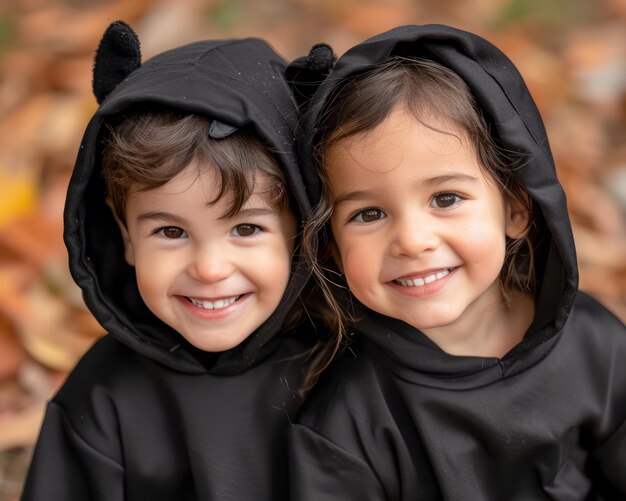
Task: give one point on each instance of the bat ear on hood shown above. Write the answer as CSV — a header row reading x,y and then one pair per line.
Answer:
x,y
117,56
305,73
321,58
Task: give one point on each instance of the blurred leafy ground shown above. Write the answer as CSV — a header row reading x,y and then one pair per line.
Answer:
x,y
571,52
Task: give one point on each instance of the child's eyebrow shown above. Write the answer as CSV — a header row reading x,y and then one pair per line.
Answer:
x,y
160,216
352,196
446,178
254,211
258,211
432,181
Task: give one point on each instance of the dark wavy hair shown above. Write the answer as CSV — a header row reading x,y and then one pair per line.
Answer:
x,y
148,149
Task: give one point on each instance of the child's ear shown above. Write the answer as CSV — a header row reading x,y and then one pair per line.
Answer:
x,y
129,253
517,219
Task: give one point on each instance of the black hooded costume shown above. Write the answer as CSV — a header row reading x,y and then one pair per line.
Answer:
x,y
397,418
145,415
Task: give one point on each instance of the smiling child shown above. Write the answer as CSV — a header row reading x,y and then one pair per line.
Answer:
x,y
476,369
181,224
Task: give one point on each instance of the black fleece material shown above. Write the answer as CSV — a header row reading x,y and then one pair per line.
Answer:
x,y
396,418
144,415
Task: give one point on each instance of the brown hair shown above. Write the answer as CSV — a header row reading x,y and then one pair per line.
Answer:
x,y
148,149
433,94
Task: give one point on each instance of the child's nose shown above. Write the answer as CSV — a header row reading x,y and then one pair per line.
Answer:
x,y
412,237
210,264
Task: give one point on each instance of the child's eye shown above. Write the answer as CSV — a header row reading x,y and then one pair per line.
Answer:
x,y
245,230
172,232
368,216
445,200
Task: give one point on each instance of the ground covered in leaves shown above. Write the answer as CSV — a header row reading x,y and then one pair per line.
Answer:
x,y
571,52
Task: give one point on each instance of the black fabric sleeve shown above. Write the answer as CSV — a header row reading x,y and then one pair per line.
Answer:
x,y
319,469
67,468
610,463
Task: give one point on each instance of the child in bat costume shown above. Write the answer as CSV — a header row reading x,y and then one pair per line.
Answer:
x,y
477,370
181,225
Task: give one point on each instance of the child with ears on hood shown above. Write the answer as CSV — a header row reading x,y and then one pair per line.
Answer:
x,y
476,370
181,222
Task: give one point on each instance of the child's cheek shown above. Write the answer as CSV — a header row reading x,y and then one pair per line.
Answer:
x,y
483,243
360,270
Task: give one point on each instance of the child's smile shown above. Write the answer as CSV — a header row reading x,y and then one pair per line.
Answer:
x,y
218,304
214,309
213,278
423,283
421,230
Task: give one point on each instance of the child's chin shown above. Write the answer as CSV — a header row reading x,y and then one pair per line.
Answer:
x,y
215,345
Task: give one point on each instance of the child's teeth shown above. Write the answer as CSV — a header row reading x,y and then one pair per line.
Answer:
x,y
214,305
429,279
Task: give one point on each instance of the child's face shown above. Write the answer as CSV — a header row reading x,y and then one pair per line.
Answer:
x,y
213,279
419,228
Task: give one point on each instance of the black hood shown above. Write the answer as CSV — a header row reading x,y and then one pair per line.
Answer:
x,y
239,83
513,117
